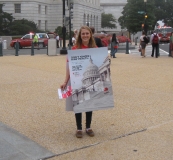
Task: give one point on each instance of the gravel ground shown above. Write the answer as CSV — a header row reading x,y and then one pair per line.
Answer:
x,y
143,91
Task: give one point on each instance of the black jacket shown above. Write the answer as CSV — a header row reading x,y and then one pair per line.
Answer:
x,y
98,42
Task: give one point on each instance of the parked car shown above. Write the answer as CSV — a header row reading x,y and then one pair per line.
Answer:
x,y
27,39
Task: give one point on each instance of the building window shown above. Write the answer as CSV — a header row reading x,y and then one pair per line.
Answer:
x,y
45,25
39,24
39,9
17,8
45,9
84,19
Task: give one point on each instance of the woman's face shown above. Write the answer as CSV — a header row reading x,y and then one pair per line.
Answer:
x,y
85,35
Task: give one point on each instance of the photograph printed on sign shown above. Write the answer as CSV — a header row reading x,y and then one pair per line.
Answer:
x,y
90,79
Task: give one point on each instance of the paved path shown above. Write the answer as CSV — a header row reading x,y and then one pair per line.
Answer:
x,y
148,51
15,146
34,123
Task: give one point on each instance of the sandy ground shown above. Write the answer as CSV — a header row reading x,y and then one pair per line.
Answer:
x,y
138,127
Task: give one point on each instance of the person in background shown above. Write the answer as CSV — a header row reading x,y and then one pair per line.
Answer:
x,y
171,44
155,43
151,41
85,40
35,41
57,40
97,40
73,39
142,43
75,33
114,45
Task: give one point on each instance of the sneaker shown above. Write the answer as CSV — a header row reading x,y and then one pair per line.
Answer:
x,y
79,134
90,132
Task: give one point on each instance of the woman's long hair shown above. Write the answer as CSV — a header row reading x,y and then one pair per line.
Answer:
x,y
171,37
114,38
91,44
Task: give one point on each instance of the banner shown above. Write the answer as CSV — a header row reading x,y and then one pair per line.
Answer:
x,y
90,80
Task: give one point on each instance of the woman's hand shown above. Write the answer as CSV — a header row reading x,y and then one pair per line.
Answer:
x,y
63,86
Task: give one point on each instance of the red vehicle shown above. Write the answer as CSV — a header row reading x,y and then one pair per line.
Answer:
x,y
106,38
27,39
164,33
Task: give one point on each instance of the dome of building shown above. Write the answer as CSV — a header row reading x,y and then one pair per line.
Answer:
x,y
92,67
91,73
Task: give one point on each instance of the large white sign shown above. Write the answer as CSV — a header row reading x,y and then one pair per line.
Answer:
x,y
90,80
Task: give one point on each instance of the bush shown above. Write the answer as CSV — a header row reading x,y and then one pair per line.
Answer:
x,y
16,37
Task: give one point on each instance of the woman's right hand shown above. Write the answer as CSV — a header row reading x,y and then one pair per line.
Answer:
x,y
63,86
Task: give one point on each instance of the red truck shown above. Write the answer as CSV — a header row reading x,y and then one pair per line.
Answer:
x,y
164,33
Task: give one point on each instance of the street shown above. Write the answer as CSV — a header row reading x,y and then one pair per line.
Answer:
x,y
164,50
27,51
164,47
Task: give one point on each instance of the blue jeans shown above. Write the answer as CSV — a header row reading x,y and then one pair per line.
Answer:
x,y
113,51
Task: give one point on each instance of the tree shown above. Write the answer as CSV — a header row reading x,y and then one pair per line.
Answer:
x,y
58,30
162,13
23,26
108,20
10,26
156,10
5,21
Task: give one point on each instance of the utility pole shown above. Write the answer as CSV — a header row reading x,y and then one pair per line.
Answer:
x,y
63,50
70,7
146,16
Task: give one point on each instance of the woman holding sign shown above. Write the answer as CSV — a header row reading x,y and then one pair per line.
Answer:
x,y
84,40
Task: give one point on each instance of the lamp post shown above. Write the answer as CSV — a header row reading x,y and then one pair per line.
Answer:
x,y
63,50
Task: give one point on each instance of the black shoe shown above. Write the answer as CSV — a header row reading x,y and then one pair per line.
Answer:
x,y
156,57
151,55
114,57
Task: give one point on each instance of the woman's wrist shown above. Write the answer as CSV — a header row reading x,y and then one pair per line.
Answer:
x,y
65,82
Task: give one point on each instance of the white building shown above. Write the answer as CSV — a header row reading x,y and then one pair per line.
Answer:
x,y
114,7
47,14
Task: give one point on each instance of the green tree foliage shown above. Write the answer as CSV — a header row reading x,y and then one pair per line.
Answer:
x,y
9,26
23,26
58,30
108,21
163,11
5,21
155,9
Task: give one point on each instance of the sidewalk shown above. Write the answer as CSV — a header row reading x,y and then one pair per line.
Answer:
x,y
34,123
